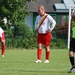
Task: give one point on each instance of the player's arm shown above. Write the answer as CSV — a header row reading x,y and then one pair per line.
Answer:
x,y
52,23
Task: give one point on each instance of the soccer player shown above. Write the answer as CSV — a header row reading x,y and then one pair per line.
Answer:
x,y
2,40
44,25
72,44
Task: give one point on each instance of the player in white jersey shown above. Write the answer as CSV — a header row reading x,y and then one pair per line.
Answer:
x,y
43,29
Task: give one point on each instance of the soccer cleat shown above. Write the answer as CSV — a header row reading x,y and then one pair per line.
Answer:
x,y
2,55
46,61
38,61
71,70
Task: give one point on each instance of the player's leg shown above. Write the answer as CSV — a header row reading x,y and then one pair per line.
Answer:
x,y
71,55
39,50
47,54
47,44
3,46
39,53
71,58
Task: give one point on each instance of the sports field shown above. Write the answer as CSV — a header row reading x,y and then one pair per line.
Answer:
x,y
21,62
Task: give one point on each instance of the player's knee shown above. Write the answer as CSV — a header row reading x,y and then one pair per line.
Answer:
x,y
39,47
47,48
71,54
3,43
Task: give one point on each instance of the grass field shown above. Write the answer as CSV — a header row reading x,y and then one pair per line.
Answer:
x,y
21,62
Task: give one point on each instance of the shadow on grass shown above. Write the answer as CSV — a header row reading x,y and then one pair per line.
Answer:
x,y
40,71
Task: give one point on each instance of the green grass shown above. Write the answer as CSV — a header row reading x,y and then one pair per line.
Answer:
x,y
21,62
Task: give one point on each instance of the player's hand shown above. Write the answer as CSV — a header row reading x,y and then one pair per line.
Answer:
x,y
48,31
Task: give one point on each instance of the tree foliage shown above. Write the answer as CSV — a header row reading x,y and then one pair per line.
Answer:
x,y
13,10
15,30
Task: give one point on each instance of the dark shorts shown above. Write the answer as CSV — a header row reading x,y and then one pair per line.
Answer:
x,y
72,45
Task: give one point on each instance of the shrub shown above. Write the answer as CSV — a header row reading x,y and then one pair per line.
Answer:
x,y
22,37
59,43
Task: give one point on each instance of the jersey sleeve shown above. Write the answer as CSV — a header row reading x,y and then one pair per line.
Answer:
x,y
52,22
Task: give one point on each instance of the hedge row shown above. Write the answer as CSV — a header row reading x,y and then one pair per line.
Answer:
x,y
31,43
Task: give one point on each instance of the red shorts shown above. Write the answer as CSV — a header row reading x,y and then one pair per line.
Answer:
x,y
3,37
44,39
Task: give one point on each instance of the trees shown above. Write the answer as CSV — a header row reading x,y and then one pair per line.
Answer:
x,y
14,11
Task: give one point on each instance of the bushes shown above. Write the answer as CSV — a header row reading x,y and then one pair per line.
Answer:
x,y
31,43
20,36
59,43
21,43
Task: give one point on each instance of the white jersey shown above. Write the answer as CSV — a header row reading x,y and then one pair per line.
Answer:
x,y
48,24
1,31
